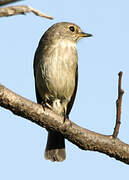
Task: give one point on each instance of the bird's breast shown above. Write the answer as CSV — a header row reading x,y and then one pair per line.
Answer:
x,y
59,69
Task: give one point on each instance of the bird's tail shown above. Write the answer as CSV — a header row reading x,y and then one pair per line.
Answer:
x,y
55,148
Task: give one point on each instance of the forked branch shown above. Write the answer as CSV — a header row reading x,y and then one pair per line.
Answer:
x,y
83,138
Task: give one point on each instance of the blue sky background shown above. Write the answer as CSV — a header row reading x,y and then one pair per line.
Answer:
x,y
101,57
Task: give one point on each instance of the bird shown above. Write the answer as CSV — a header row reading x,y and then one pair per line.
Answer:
x,y
56,78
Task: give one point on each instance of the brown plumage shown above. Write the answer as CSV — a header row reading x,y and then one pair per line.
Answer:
x,y
56,77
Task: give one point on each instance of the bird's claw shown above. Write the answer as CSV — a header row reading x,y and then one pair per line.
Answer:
x,y
43,105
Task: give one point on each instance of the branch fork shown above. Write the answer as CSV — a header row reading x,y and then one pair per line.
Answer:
x,y
83,138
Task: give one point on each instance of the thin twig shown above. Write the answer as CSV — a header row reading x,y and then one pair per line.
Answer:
x,y
118,107
14,10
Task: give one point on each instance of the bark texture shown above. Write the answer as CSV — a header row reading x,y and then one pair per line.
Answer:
x,y
83,138
15,10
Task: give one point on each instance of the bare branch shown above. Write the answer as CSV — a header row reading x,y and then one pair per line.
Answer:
x,y
83,138
118,107
15,10
4,2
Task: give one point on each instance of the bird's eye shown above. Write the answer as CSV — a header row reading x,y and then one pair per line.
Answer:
x,y
72,28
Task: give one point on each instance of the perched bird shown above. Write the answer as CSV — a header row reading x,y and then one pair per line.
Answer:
x,y
56,77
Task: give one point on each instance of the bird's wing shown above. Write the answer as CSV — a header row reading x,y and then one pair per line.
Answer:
x,y
38,97
70,104
36,59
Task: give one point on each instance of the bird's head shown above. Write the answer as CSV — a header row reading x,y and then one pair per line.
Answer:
x,y
65,30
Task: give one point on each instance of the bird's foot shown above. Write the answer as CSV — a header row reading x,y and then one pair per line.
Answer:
x,y
65,117
43,105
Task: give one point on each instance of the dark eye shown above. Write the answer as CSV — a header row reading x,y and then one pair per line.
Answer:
x,y
72,28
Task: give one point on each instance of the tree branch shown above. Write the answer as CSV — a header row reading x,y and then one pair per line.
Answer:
x,y
118,107
4,2
15,10
83,138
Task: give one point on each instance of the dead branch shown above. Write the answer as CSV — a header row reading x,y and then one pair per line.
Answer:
x,y
118,107
83,138
4,2
15,10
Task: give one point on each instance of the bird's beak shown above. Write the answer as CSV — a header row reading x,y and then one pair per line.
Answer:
x,y
82,34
